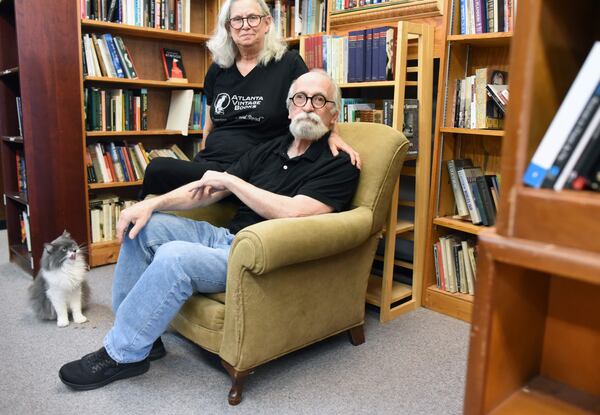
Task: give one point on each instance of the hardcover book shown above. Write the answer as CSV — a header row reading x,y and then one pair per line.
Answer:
x,y
173,65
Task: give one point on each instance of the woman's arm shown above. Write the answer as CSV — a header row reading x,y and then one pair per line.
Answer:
x,y
336,144
208,127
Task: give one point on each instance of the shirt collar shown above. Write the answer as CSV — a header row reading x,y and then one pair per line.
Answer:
x,y
313,152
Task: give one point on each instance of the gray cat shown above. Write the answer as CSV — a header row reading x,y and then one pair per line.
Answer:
x,y
60,285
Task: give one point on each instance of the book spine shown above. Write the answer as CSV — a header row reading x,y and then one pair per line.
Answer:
x,y
113,55
368,54
478,200
564,120
578,177
436,265
121,55
459,198
573,138
486,200
479,17
463,17
468,194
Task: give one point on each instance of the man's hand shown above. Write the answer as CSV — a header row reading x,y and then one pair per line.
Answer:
x,y
210,183
138,214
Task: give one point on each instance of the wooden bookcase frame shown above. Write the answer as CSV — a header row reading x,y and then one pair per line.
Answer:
x,y
39,59
462,55
536,327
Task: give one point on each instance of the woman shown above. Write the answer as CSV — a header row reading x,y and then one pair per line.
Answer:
x,y
246,92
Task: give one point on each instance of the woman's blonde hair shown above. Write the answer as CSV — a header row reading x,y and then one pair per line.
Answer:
x,y
224,50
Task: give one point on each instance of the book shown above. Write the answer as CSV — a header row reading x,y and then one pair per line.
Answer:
x,y
575,135
499,93
579,177
577,97
126,59
463,179
179,110
459,197
410,127
173,65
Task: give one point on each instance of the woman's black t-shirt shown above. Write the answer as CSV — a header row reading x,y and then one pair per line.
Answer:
x,y
248,110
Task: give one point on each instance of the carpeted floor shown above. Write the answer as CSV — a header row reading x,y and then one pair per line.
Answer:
x,y
413,365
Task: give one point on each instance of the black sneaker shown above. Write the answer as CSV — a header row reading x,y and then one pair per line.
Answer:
x,y
158,350
97,369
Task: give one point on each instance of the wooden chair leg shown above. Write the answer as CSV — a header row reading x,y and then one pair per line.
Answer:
x,y
237,382
357,335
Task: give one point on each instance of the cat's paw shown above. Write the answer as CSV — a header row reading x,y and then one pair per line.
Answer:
x,y
80,319
62,323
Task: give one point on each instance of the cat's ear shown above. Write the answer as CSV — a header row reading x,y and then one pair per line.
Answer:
x,y
48,247
66,234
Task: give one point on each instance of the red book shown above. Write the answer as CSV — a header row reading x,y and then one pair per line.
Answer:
x,y
173,65
125,155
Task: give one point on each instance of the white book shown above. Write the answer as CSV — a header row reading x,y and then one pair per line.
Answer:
x,y
462,271
106,178
179,110
469,199
445,265
468,268
108,63
89,61
577,152
96,231
580,92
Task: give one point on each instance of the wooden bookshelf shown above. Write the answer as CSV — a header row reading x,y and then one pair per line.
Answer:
x,y
144,44
536,326
33,58
463,55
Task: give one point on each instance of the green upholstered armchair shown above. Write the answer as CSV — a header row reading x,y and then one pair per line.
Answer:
x,y
293,282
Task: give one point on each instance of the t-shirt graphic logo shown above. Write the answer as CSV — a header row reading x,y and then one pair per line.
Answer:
x,y
221,102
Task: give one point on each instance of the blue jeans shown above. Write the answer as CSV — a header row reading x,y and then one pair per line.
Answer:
x,y
169,260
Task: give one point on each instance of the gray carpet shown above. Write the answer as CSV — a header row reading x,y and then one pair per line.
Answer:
x,y
413,365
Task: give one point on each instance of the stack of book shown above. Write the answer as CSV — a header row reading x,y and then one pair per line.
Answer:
x,y
486,16
158,14
116,109
104,215
362,56
455,261
104,55
474,104
476,194
569,154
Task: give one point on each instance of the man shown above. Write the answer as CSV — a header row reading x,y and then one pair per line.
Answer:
x,y
164,259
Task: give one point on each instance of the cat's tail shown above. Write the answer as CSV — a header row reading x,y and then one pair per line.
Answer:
x,y
41,305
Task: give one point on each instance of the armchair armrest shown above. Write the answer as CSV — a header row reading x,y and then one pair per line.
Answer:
x,y
272,244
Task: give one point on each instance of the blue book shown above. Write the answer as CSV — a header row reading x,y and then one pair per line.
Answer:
x,y
204,110
114,56
368,54
463,17
360,55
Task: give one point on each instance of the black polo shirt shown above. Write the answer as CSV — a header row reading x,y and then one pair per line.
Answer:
x,y
316,174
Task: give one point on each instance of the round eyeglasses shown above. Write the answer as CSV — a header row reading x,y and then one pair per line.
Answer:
x,y
238,22
317,101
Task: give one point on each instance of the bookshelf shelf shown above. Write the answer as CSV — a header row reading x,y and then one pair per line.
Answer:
x,y
457,305
139,133
17,139
97,186
17,197
376,84
398,262
483,39
142,83
144,32
399,291
459,225
403,226
103,252
9,72
472,131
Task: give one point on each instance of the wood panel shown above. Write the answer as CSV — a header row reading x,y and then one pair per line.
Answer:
x,y
53,146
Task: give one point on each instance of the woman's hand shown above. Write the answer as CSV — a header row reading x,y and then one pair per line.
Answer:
x,y
336,144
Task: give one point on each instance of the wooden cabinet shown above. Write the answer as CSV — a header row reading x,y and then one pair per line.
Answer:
x,y
536,327
463,55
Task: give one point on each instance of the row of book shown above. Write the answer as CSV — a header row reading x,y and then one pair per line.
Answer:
x,y
21,172
568,156
455,260
475,99
298,17
105,55
110,162
351,4
381,111
158,14
486,16
104,215
476,194
115,109
362,56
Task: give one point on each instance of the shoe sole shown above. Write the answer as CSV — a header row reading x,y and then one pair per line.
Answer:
x,y
124,374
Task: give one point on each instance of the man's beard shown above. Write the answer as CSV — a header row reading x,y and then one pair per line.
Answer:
x,y
308,126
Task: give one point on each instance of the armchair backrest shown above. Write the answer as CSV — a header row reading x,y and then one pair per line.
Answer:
x,y
382,150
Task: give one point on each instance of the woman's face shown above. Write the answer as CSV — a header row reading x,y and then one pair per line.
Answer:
x,y
247,36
